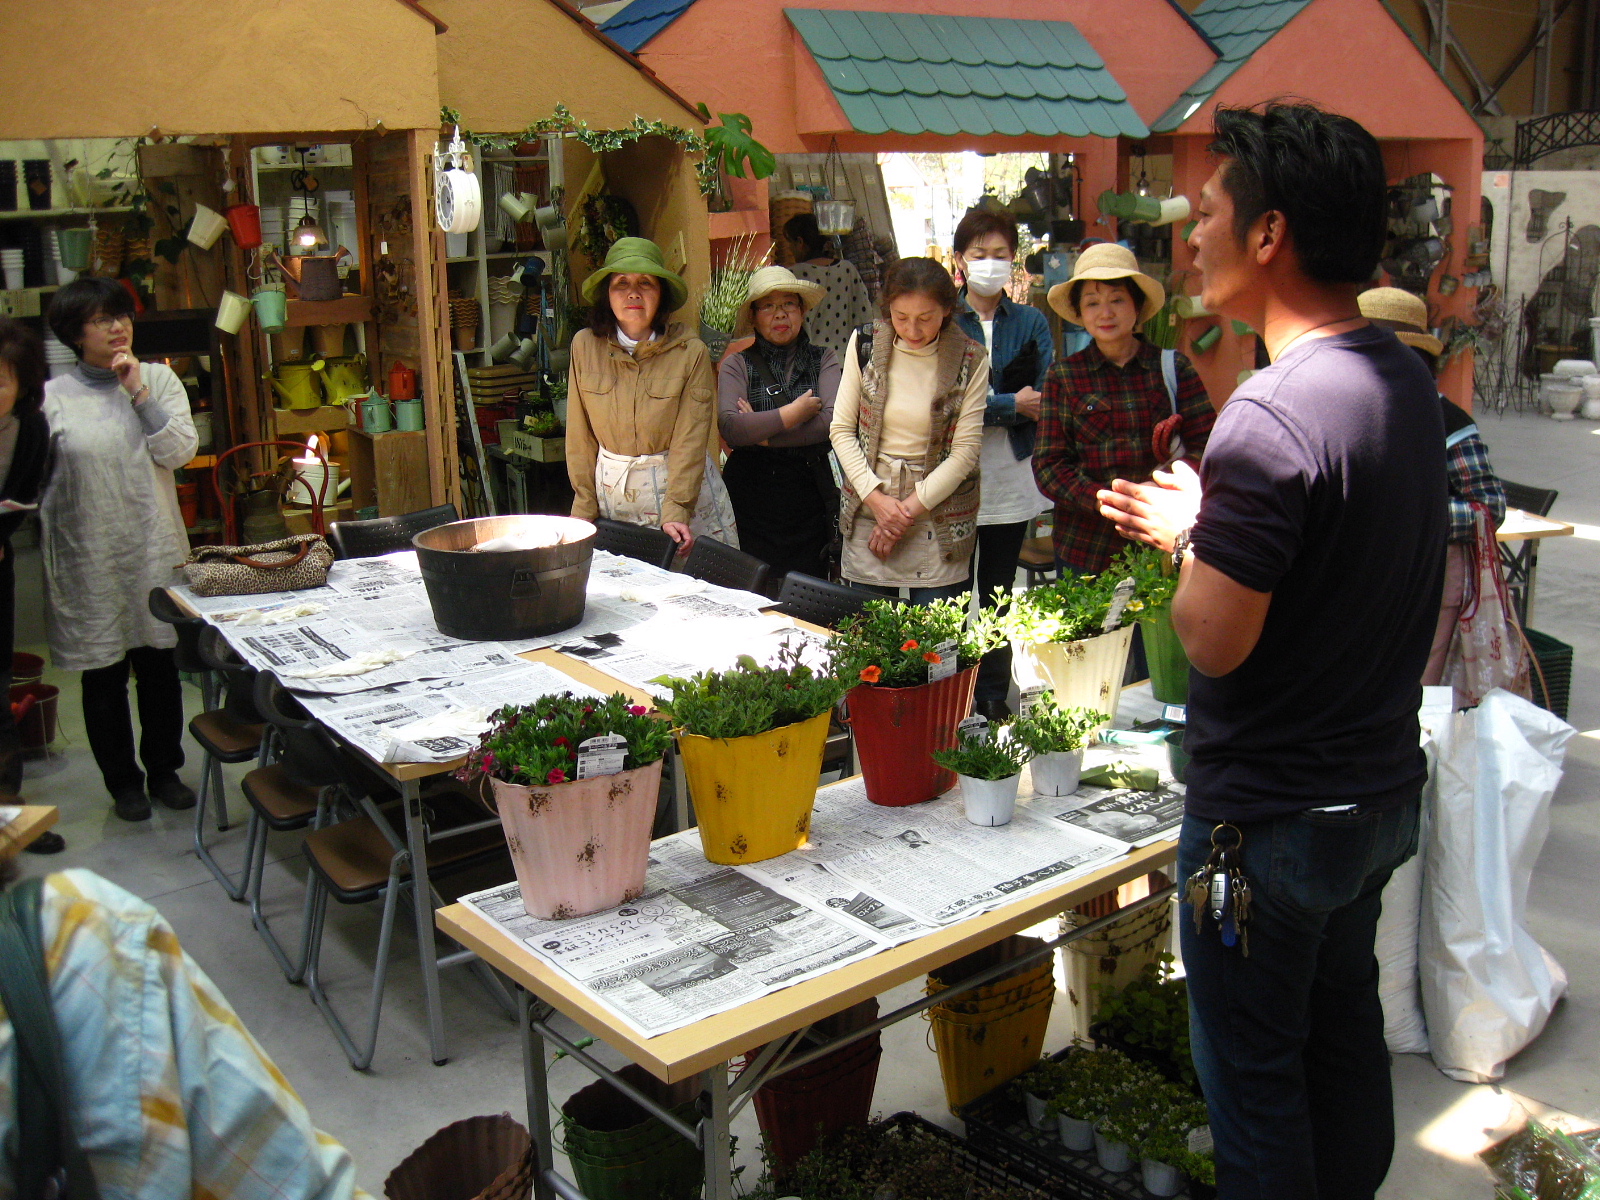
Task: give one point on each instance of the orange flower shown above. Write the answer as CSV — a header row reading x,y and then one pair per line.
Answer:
x,y
909,646
871,674
930,656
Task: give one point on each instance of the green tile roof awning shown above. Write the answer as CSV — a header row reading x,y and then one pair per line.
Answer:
x,y
1238,28
911,73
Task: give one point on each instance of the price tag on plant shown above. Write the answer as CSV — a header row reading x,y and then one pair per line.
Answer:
x,y
1200,1140
974,725
948,655
1028,698
603,755
1119,601
1178,714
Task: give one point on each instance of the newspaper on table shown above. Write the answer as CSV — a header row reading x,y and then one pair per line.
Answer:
x,y
1139,818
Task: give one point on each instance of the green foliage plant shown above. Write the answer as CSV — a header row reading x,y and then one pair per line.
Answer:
x,y
751,698
729,145
1151,1014
890,644
886,1160
1048,728
1095,1083
1154,580
537,744
978,756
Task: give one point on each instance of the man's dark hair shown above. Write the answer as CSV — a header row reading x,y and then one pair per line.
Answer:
x,y
803,228
1323,172
980,222
21,347
81,301
603,319
926,276
1126,283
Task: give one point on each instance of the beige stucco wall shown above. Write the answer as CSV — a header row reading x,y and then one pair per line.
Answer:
x,y
214,66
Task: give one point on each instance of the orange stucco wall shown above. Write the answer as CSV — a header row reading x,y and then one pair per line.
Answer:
x,y
214,66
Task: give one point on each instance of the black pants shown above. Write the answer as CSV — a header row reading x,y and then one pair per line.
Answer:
x,y
110,724
785,506
10,740
994,565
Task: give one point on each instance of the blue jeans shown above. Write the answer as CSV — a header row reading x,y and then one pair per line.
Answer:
x,y
1288,1042
948,591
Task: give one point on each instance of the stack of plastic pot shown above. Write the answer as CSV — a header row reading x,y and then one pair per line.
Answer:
x,y
991,1034
618,1151
803,1107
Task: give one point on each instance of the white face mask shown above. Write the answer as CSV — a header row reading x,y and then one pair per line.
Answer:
x,y
986,276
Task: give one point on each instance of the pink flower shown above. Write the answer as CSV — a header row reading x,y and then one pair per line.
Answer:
x,y
488,761
637,710
561,741
557,775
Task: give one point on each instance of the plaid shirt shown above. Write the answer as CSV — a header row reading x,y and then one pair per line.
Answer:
x,y
1095,425
1471,478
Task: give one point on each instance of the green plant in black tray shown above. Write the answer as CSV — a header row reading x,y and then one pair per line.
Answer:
x,y
1151,1015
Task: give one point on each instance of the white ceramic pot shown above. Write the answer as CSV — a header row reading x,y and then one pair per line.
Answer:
x,y
1056,773
990,802
1160,1179
1086,674
1112,1156
1038,1109
1075,1134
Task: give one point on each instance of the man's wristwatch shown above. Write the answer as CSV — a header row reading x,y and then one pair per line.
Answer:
x,y
1180,547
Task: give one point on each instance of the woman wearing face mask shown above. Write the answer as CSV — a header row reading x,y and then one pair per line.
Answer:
x,y
907,429
1020,352
639,417
1118,408
774,403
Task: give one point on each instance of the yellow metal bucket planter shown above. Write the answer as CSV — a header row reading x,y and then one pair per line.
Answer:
x,y
992,1034
753,795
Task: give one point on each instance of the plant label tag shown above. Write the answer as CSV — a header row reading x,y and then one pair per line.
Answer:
x,y
948,661
1028,698
1119,601
1200,1140
974,725
603,755
1178,714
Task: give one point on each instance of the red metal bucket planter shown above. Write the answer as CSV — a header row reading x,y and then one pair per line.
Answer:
x,y
898,729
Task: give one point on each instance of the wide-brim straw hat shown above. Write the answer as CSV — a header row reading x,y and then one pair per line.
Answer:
x,y
769,280
638,256
1104,261
1403,313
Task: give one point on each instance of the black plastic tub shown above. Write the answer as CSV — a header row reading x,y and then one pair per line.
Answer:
x,y
491,596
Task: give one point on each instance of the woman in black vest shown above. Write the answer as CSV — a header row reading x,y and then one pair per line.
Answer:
x,y
774,404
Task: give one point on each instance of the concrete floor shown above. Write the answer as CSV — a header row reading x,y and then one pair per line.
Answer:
x,y
383,1114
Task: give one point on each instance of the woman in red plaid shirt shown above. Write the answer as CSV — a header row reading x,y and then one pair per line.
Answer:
x,y
1118,409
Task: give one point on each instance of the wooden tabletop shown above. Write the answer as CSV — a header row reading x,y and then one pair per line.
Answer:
x,y
705,1043
34,820
1520,525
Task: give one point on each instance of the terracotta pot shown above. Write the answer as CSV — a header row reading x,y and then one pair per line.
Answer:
x,y
753,795
189,504
898,729
583,846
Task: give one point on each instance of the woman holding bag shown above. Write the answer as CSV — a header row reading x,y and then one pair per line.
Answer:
x,y
110,533
639,406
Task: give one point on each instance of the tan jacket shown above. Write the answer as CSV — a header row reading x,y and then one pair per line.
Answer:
x,y
661,402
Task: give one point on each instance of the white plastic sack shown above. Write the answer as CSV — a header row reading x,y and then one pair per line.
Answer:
x,y
1404,1030
1487,987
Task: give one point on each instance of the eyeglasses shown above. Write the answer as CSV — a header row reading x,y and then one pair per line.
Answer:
x,y
782,308
106,324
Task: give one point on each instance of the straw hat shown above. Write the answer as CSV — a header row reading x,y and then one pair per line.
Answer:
x,y
638,256
768,280
1103,261
1403,313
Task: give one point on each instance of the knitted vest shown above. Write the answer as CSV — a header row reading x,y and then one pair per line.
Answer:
x,y
955,520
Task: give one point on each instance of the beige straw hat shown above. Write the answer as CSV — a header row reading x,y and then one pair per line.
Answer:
x,y
768,280
1403,313
1107,260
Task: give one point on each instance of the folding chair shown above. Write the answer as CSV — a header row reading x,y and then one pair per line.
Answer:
x,y
715,562
635,541
383,535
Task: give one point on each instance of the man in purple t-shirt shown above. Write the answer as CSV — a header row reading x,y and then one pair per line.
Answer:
x,y
1310,551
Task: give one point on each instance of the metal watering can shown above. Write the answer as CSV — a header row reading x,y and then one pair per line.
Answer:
x,y
344,378
299,385
313,276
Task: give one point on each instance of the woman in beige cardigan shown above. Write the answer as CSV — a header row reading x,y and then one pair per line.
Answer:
x,y
907,429
640,405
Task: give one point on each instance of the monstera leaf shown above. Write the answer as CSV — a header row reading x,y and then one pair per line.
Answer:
x,y
731,145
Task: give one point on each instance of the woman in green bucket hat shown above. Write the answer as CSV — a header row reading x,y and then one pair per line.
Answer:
x,y
640,405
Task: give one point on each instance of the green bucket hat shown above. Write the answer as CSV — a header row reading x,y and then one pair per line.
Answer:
x,y
638,256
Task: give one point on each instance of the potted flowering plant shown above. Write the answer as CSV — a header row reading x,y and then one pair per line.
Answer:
x,y
1163,1147
990,769
913,669
1072,636
575,783
1056,736
1093,1085
752,741
1155,583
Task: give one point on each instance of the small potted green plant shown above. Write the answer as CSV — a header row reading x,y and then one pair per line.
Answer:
x,y
1072,636
1056,736
574,780
1150,1018
1093,1084
549,437
1036,1087
1117,1132
990,768
1163,1149
913,668
752,740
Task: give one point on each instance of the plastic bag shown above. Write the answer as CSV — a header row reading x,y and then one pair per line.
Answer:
x,y
1487,986
1540,1163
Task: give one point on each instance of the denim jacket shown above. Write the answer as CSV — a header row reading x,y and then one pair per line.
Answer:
x,y
1015,325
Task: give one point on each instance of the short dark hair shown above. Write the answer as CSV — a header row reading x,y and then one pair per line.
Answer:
x,y
21,347
1322,171
1127,283
81,301
980,222
925,276
604,322
803,228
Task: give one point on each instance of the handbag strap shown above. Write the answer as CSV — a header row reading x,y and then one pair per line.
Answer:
x,y
50,1163
246,561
